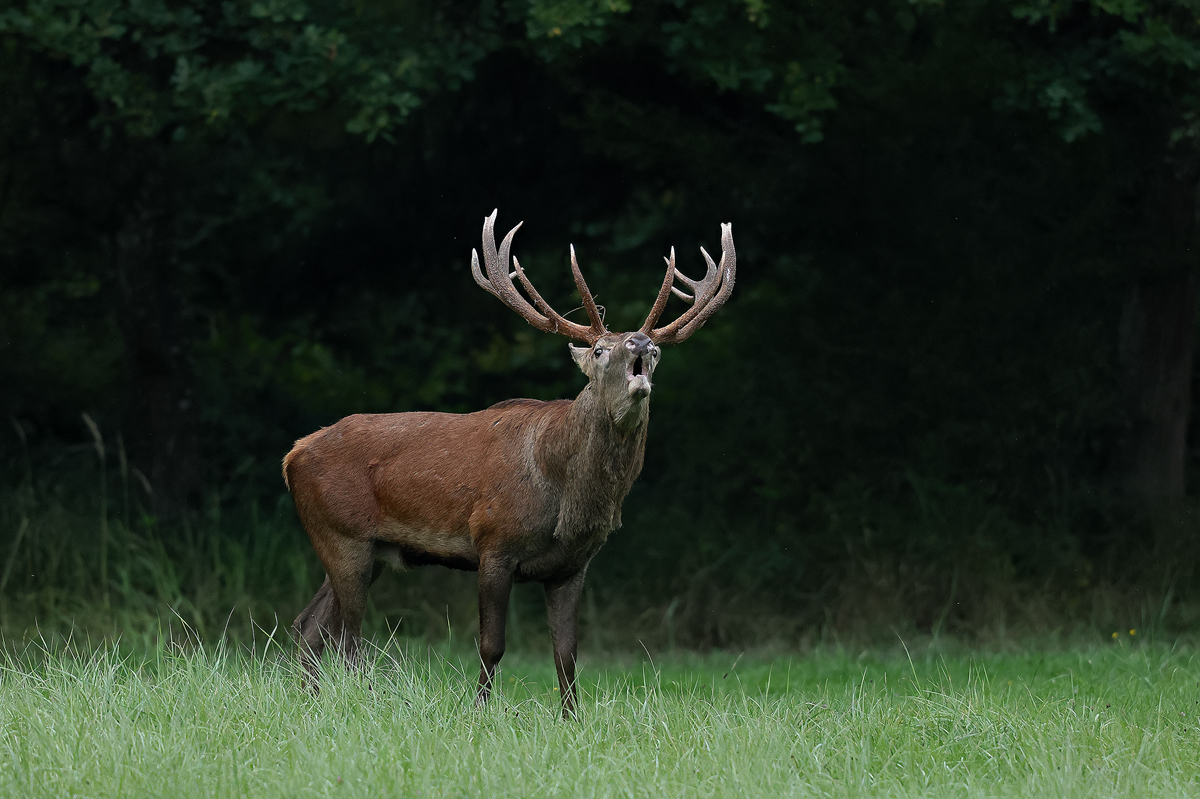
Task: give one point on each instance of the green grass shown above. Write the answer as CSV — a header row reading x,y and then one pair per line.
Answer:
x,y
188,721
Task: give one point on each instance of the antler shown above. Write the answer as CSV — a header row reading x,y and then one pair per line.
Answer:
x,y
708,294
499,282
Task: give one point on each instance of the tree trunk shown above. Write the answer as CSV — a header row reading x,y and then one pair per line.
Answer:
x,y
1157,332
160,425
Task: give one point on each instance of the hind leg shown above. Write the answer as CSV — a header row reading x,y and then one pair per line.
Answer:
x,y
311,628
350,595
334,616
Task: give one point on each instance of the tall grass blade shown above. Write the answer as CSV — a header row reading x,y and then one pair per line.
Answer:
x,y
12,553
98,440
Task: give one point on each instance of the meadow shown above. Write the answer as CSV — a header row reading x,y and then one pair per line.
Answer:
x,y
124,672
179,719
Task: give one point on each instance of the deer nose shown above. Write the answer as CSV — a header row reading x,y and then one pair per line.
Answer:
x,y
639,343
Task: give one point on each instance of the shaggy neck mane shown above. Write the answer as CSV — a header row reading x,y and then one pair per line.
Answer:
x,y
596,462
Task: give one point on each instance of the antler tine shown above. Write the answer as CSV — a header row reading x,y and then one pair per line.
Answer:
x,y
559,323
499,282
702,288
710,293
664,293
702,291
586,295
479,278
698,287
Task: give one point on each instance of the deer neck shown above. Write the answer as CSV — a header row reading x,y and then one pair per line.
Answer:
x,y
601,459
607,436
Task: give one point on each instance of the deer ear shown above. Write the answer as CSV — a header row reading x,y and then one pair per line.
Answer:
x,y
580,354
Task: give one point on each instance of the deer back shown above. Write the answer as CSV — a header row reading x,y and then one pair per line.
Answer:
x,y
448,487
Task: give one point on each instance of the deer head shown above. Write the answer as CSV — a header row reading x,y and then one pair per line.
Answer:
x,y
619,366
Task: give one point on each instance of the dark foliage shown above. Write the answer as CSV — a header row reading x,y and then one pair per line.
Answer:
x,y
934,398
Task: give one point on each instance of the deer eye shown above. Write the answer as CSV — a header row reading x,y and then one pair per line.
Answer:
x,y
598,352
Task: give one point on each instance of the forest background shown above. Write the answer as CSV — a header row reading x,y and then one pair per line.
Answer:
x,y
951,392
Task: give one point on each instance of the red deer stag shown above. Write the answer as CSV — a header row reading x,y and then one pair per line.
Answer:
x,y
523,491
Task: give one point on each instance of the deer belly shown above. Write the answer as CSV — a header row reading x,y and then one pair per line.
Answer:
x,y
400,546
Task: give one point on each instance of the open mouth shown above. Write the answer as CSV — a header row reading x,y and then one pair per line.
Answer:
x,y
637,380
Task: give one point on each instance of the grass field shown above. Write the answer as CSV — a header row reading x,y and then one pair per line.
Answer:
x,y
1115,720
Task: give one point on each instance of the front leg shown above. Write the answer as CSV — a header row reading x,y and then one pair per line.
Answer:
x,y
495,585
562,606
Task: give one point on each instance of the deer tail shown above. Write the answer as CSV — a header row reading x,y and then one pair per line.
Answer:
x,y
287,462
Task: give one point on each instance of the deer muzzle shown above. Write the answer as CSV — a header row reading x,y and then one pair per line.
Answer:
x,y
638,372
